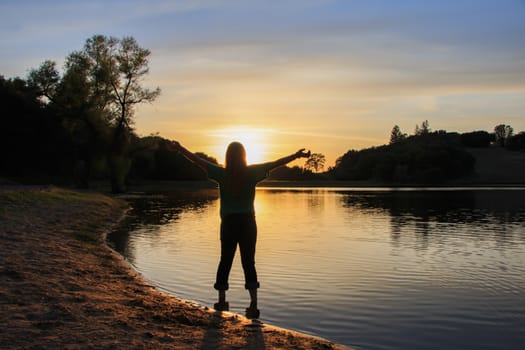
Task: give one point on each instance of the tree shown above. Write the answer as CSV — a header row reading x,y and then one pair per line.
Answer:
x,y
45,80
503,133
396,135
99,91
115,70
315,162
32,142
423,129
118,67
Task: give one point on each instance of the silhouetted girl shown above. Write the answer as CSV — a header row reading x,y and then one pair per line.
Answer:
x,y
237,182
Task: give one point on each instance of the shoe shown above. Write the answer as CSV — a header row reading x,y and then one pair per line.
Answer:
x,y
223,306
252,313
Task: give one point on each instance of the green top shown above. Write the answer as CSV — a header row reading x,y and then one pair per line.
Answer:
x,y
237,197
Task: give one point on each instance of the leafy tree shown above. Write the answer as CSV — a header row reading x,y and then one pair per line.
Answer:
x,y
115,68
315,162
396,135
503,133
32,143
45,80
98,94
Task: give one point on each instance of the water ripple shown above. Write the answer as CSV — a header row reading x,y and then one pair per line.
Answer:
x,y
371,269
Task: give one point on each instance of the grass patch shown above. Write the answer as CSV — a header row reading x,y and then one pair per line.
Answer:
x,y
50,194
77,214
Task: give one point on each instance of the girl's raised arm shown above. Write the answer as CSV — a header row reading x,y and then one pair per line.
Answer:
x,y
201,163
285,160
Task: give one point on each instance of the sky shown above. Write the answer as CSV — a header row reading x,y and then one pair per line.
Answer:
x,y
325,75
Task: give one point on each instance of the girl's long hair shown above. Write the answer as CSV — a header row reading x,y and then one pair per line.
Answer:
x,y
235,157
235,165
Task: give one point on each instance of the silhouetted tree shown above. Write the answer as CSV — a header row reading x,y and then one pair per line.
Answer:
x,y
116,69
32,143
45,80
396,135
98,93
424,129
315,162
503,133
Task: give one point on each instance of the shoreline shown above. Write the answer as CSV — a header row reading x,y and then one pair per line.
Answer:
x,y
156,186
62,286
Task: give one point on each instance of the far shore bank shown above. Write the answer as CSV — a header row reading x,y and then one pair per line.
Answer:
x,y
165,186
495,167
62,287
174,186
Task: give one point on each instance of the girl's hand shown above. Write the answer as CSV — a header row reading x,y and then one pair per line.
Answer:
x,y
302,154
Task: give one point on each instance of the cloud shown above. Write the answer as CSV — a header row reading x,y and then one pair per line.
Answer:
x,y
418,50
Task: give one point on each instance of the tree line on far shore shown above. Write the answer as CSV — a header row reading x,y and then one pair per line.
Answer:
x,y
76,126
425,157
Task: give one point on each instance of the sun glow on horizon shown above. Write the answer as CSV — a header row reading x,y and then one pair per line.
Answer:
x,y
255,142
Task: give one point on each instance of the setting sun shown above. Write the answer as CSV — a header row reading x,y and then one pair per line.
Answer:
x,y
255,142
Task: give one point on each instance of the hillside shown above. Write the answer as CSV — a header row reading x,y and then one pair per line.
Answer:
x,y
496,165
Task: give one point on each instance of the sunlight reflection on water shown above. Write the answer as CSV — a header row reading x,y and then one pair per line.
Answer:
x,y
374,269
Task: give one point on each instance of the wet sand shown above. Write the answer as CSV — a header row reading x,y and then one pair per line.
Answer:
x,y
61,287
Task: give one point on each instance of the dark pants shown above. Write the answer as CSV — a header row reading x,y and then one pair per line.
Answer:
x,y
238,229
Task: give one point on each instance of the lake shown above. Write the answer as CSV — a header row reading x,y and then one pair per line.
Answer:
x,y
372,268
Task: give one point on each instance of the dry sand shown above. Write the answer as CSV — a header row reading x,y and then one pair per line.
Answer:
x,y
61,287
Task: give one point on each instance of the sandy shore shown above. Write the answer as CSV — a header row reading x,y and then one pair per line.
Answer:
x,y
61,287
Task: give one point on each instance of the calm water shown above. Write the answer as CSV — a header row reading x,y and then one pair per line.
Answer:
x,y
372,269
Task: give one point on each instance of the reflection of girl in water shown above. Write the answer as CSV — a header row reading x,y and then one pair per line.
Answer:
x,y
237,192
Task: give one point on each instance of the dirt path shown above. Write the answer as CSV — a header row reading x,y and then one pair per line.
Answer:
x,y
62,288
